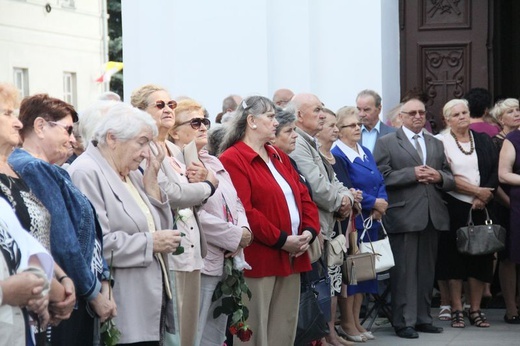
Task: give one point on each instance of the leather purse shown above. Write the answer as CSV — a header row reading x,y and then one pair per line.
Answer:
x,y
315,309
381,248
480,239
314,251
359,267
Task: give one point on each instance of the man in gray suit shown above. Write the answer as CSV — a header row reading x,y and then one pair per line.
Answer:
x,y
368,103
416,174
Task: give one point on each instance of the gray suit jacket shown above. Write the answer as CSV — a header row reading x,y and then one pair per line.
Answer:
x,y
138,287
411,204
327,190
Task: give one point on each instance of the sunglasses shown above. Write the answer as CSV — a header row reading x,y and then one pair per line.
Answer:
x,y
352,126
195,123
67,128
161,104
414,113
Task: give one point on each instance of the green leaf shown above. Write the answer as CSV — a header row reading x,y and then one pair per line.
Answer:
x,y
245,312
230,281
237,316
226,290
249,294
217,293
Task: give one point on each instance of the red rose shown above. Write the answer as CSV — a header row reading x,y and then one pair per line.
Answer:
x,y
233,329
244,334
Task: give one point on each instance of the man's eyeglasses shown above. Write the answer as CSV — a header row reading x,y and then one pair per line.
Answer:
x,y
161,104
67,128
414,113
352,126
195,123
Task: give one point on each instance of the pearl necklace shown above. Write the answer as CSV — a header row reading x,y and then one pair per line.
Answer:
x,y
471,144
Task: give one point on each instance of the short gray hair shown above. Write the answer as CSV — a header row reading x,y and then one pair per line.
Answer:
x,y
124,122
215,136
90,118
284,118
368,92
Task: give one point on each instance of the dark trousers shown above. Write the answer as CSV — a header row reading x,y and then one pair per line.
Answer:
x,y
412,278
78,330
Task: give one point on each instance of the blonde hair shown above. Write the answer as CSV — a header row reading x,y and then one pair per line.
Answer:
x,y
139,98
344,113
501,107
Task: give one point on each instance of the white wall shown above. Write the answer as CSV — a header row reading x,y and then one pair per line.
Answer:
x,y
208,49
48,44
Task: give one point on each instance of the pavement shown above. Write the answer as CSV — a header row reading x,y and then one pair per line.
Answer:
x,y
499,333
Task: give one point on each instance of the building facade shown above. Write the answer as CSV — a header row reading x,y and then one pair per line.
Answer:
x,y
54,46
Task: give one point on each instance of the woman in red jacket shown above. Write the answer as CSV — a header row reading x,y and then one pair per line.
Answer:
x,y
282,217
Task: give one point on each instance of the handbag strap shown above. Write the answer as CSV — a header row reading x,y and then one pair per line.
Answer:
x,y
367,224
470,217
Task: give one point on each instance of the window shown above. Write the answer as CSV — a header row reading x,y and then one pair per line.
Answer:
x,y
69,88
21,80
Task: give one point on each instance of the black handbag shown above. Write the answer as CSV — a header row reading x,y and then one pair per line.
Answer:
x,y
480,239
314,311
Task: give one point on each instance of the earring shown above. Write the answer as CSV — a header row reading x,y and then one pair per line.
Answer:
x,y
253,127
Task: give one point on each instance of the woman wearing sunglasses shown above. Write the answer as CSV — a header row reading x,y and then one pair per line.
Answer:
x,y
187,188
222,217
75,236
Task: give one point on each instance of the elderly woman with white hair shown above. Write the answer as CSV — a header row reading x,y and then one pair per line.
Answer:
x,y
135,218
474,162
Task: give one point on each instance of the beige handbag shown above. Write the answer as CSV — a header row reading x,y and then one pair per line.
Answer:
x,y
314,250
336,250
359,267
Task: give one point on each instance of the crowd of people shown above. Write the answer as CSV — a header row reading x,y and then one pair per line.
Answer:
x,y
135,223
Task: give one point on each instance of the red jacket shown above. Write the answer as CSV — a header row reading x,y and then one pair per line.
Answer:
x,y
267,211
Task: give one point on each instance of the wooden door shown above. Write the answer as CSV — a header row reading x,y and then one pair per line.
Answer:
x,y
443,50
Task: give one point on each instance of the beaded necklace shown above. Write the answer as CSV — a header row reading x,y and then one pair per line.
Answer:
x,y
471,144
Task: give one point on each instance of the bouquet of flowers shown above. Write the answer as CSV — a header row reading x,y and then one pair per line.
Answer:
x,y
231,288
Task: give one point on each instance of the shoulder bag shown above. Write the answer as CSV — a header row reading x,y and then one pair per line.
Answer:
x,y
358,267
381,248
480,239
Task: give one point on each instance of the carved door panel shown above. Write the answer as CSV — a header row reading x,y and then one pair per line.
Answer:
x,y
443,49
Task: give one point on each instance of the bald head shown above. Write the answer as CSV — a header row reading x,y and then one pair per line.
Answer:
x,y
309,113
282,96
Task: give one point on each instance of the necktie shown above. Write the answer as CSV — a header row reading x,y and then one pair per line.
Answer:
x,y
418,147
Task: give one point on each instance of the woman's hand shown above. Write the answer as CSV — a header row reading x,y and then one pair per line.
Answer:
x,y
246,239
20,289
358,195
296,245
153,165
196,172
478,204
61,310
166,240
380,205
104,307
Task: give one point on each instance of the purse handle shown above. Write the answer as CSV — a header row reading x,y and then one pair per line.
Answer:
x,y
470,218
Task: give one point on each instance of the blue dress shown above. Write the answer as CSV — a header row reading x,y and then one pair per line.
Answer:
x,y
365,176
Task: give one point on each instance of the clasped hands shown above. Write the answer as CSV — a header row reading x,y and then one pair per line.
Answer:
x,y
427,175
296,245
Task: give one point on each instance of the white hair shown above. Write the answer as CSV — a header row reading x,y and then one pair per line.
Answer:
x,y
124,122
90,118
